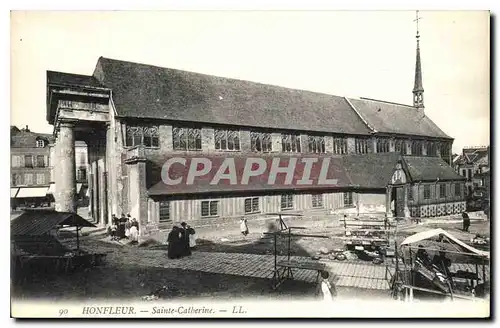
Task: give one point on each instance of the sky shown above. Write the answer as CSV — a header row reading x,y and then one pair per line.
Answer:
x,y
345,53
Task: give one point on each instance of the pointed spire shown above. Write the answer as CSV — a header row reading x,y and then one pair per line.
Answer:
x,y
418,88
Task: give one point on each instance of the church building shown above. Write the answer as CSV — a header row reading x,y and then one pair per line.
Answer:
x,y
391,158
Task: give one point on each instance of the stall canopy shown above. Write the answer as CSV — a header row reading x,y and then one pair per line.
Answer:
x,y
37,223
13,192
32,192
425,235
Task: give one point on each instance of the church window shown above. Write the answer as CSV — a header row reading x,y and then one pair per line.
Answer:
x,y
383,145
431,149
348,201
427,191
316,144
227,140
164,211
416,148
260,141
361,146
252,205
339,146
442,190
290,143
445,150
410,192
317,200
186,138
287,201
147,136
398,146
209,208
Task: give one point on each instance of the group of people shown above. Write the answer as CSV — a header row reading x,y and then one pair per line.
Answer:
x,y
180,241
124,227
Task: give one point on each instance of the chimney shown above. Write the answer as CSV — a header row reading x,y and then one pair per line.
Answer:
x,y
26,129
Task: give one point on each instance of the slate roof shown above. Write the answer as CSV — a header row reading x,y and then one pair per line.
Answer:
x,y
388,117
155,92
371,170
429,169
146,91
367,171
202,185
25,139
61,78
472,155
39,222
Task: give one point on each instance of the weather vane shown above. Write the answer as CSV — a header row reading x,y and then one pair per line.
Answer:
x,y
417,18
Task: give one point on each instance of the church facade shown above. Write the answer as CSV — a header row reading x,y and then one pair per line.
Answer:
x,y
391,158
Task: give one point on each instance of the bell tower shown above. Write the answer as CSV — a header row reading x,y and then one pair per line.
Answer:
x,y
418,89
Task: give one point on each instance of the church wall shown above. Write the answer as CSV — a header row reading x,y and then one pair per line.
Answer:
x,y
436,205
231,208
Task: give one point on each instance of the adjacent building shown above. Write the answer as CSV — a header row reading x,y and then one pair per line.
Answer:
x,y
474,165
389,158
30,168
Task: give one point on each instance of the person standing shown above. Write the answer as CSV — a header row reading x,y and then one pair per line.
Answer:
x,y
134,231
128,225
244,227
173,239
326,289
186,250
466,221
192,240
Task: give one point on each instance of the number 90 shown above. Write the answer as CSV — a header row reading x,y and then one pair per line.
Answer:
x,y
63,312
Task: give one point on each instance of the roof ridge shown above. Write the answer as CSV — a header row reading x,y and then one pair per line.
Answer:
x,y
387,102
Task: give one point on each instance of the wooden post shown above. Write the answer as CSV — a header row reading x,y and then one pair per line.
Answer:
x,y
289,242
484,272
77,239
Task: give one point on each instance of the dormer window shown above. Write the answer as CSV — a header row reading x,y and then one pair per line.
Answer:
x,y
40,143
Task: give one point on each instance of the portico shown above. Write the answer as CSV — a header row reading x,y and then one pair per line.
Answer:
x,y
78,112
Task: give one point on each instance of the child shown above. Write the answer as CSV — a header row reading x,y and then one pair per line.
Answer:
x,y
326,290
244,227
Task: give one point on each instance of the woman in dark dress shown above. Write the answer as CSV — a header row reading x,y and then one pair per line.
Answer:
x,y
174,244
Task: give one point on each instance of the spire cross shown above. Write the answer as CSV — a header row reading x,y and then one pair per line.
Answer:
x,y
417,18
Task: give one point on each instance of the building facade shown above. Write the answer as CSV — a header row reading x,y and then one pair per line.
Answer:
x,y
30,168
390,158
474,165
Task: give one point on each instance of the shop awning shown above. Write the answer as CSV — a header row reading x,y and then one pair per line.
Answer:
x,y
32,192
13,192
52,189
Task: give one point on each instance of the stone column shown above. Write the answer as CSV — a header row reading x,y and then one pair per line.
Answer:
x,y
65,168
138,193
388,196
406,207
